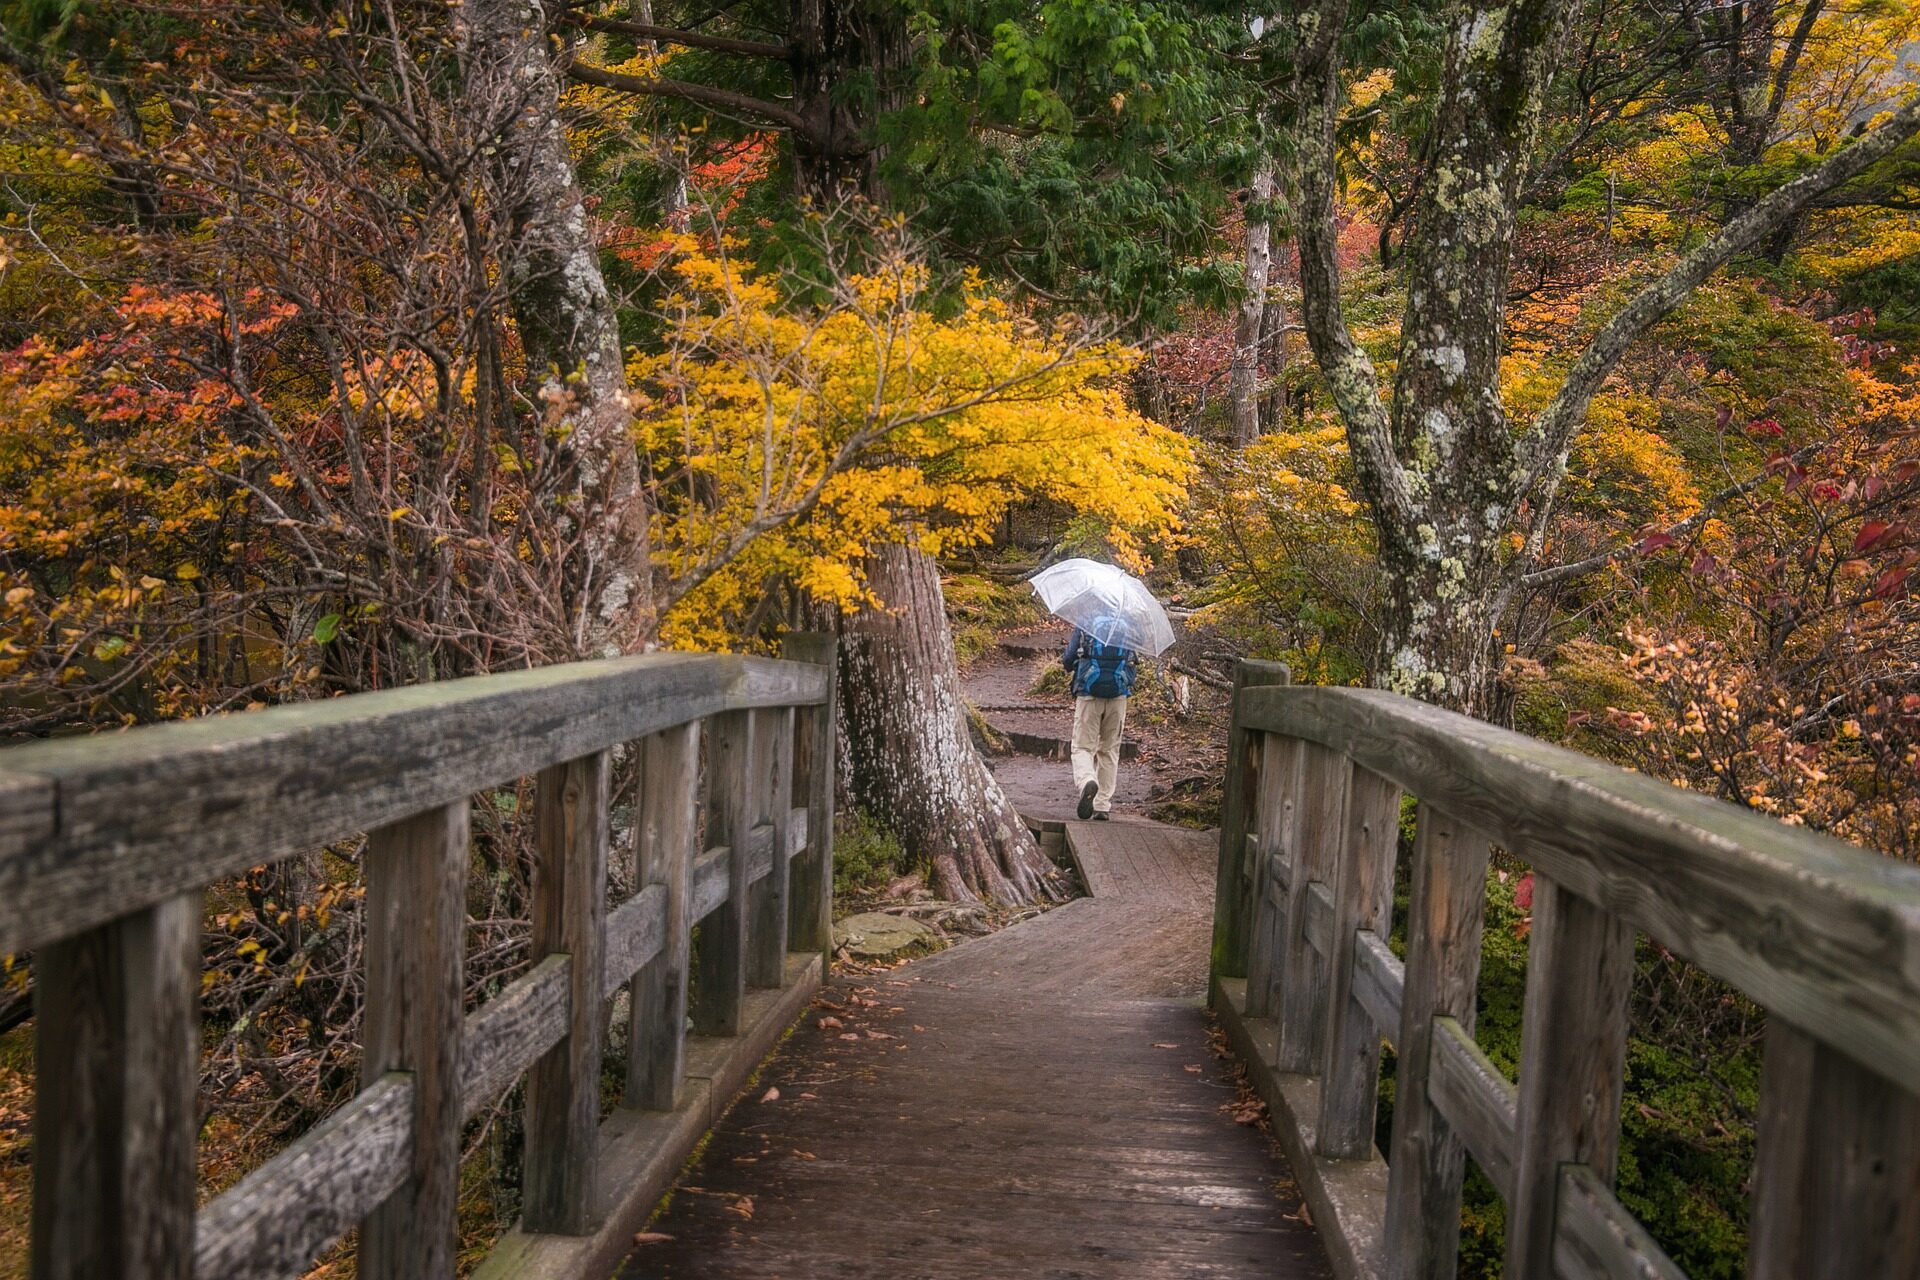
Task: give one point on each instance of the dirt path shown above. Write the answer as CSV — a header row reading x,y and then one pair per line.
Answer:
x,y
1040,1103
1160,749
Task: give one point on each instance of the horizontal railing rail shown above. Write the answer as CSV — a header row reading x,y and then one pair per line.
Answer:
x,y
1824,936
108,842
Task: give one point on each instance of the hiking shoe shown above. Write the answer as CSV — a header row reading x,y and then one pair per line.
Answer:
x,y
1103,817
1086,800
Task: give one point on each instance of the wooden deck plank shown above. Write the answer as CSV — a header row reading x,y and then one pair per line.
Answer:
x,y
1041,1103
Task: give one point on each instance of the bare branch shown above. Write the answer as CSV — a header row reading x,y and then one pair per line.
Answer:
x,y
1594,563
705,95
686,39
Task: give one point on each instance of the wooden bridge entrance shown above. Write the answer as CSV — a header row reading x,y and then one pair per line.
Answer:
x,y
1035,1104
1040,1103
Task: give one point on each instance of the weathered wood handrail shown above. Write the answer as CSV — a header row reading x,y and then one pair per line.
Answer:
x,y
1823,935
107,843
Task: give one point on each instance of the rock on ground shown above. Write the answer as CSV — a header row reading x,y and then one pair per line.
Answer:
x,y
875,935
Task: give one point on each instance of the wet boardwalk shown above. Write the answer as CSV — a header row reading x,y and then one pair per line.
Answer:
x,y
1042,1103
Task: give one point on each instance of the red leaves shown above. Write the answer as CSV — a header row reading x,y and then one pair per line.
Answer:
x,y
1655,541
1765,429
1872,534
1784,466
1523,892
1890,584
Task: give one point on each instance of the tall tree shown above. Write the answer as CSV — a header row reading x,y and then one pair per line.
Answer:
x,y
1033,124
1448,476
1250,320
568,327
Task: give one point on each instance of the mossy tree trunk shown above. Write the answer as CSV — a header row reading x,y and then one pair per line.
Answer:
x,y
1249,328
1453,482
568,327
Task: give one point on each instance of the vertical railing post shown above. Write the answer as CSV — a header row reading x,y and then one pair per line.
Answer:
x,y
773,804
1270,813
1428,1164
1319,828
569,916
720,961
1233,906
667,833
117,1062
1836,1186
812,903
1573,1043
416,873
1362,899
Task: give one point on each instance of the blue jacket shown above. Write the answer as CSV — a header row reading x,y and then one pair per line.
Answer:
x,y
1099,670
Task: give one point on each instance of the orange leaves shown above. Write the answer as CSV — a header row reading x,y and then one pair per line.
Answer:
x,y
118,463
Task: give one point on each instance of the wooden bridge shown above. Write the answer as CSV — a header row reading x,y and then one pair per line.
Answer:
x,y
1038,1103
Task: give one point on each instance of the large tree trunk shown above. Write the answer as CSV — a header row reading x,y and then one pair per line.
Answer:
x,y
913,763
837,45
1243,370
568,328
911,759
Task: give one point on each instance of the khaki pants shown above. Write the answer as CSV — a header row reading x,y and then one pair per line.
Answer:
x,y
1097,723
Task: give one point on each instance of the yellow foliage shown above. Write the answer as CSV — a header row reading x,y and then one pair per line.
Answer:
x,y
1855,63
792,438
1622,468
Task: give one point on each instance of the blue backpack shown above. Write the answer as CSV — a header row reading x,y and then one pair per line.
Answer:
x,y
1099,670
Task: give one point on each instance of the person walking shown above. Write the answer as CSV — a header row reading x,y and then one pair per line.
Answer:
x,y
1103,676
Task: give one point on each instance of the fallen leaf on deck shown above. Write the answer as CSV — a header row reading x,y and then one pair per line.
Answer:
x,y
828,1023
1163,1044
650,1237
771,1095
878,1035
806,1155
1247,1112
1193,1068
744,1207
850,1036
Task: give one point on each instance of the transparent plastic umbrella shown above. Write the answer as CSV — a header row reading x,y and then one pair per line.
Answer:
x,y
1109,604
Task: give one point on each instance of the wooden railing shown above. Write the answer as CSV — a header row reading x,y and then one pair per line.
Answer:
x,y
1823,935
107,844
